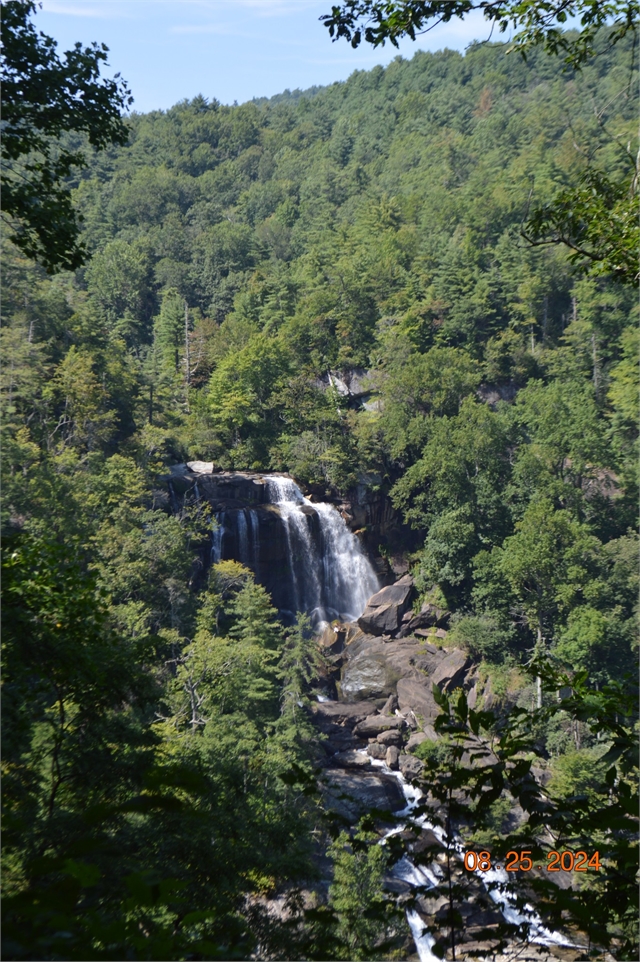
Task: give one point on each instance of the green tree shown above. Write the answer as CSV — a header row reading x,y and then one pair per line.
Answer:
x,y
117,278
590,804
45,97
357,898
597,219
169,329
379,21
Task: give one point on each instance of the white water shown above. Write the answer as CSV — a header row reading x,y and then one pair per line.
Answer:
x,y
331,578
243,534
218,536
495,881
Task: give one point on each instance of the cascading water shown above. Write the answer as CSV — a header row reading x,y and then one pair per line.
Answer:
x,y
349,577
243,536
325,573
495,880
254,528
218,537
332,576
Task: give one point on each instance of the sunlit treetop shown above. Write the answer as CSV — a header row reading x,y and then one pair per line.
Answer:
x,y
44,98
535,22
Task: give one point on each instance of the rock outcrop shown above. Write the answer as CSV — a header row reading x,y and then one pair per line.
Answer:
x,y
352,794
384,611
451,672
375,724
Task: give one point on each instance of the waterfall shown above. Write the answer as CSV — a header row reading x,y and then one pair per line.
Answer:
x,y
496,881
320,567
348,575
331,575
243,538
218,537
254,525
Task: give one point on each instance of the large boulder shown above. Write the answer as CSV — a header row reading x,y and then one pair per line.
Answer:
x,y
392,756
352,794
416,739
410,766
351,759
391,737
327,713
389,706
367,674
416,694
429,616
374,724
451,672
335,721
372,666
381,620
384,611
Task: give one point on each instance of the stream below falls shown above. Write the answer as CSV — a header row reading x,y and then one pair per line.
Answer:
x,y
495,881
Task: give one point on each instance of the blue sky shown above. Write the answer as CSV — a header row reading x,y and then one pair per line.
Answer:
x,y
230,49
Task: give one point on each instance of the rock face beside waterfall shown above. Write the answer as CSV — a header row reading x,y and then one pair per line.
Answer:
x,y
385,706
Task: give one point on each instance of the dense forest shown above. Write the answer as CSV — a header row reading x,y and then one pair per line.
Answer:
x,y
238,256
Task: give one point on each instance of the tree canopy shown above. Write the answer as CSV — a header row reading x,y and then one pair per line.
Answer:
x,y
45,101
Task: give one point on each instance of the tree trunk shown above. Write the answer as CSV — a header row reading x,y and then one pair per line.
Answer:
x,y
187,358
538,678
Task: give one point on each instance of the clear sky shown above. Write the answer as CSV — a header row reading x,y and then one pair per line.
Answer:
x,y
229,49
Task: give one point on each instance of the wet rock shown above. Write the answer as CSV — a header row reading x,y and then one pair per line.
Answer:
x,y
414,740
390,738
376,750
351,759
393,754
352,794
410,766
374,724
428,841
430,907
451,672
396,885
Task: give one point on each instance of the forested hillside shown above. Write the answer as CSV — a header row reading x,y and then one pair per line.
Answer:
x,y
239,255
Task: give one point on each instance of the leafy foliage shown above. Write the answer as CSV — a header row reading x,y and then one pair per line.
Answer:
x,y
45,98
331,283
